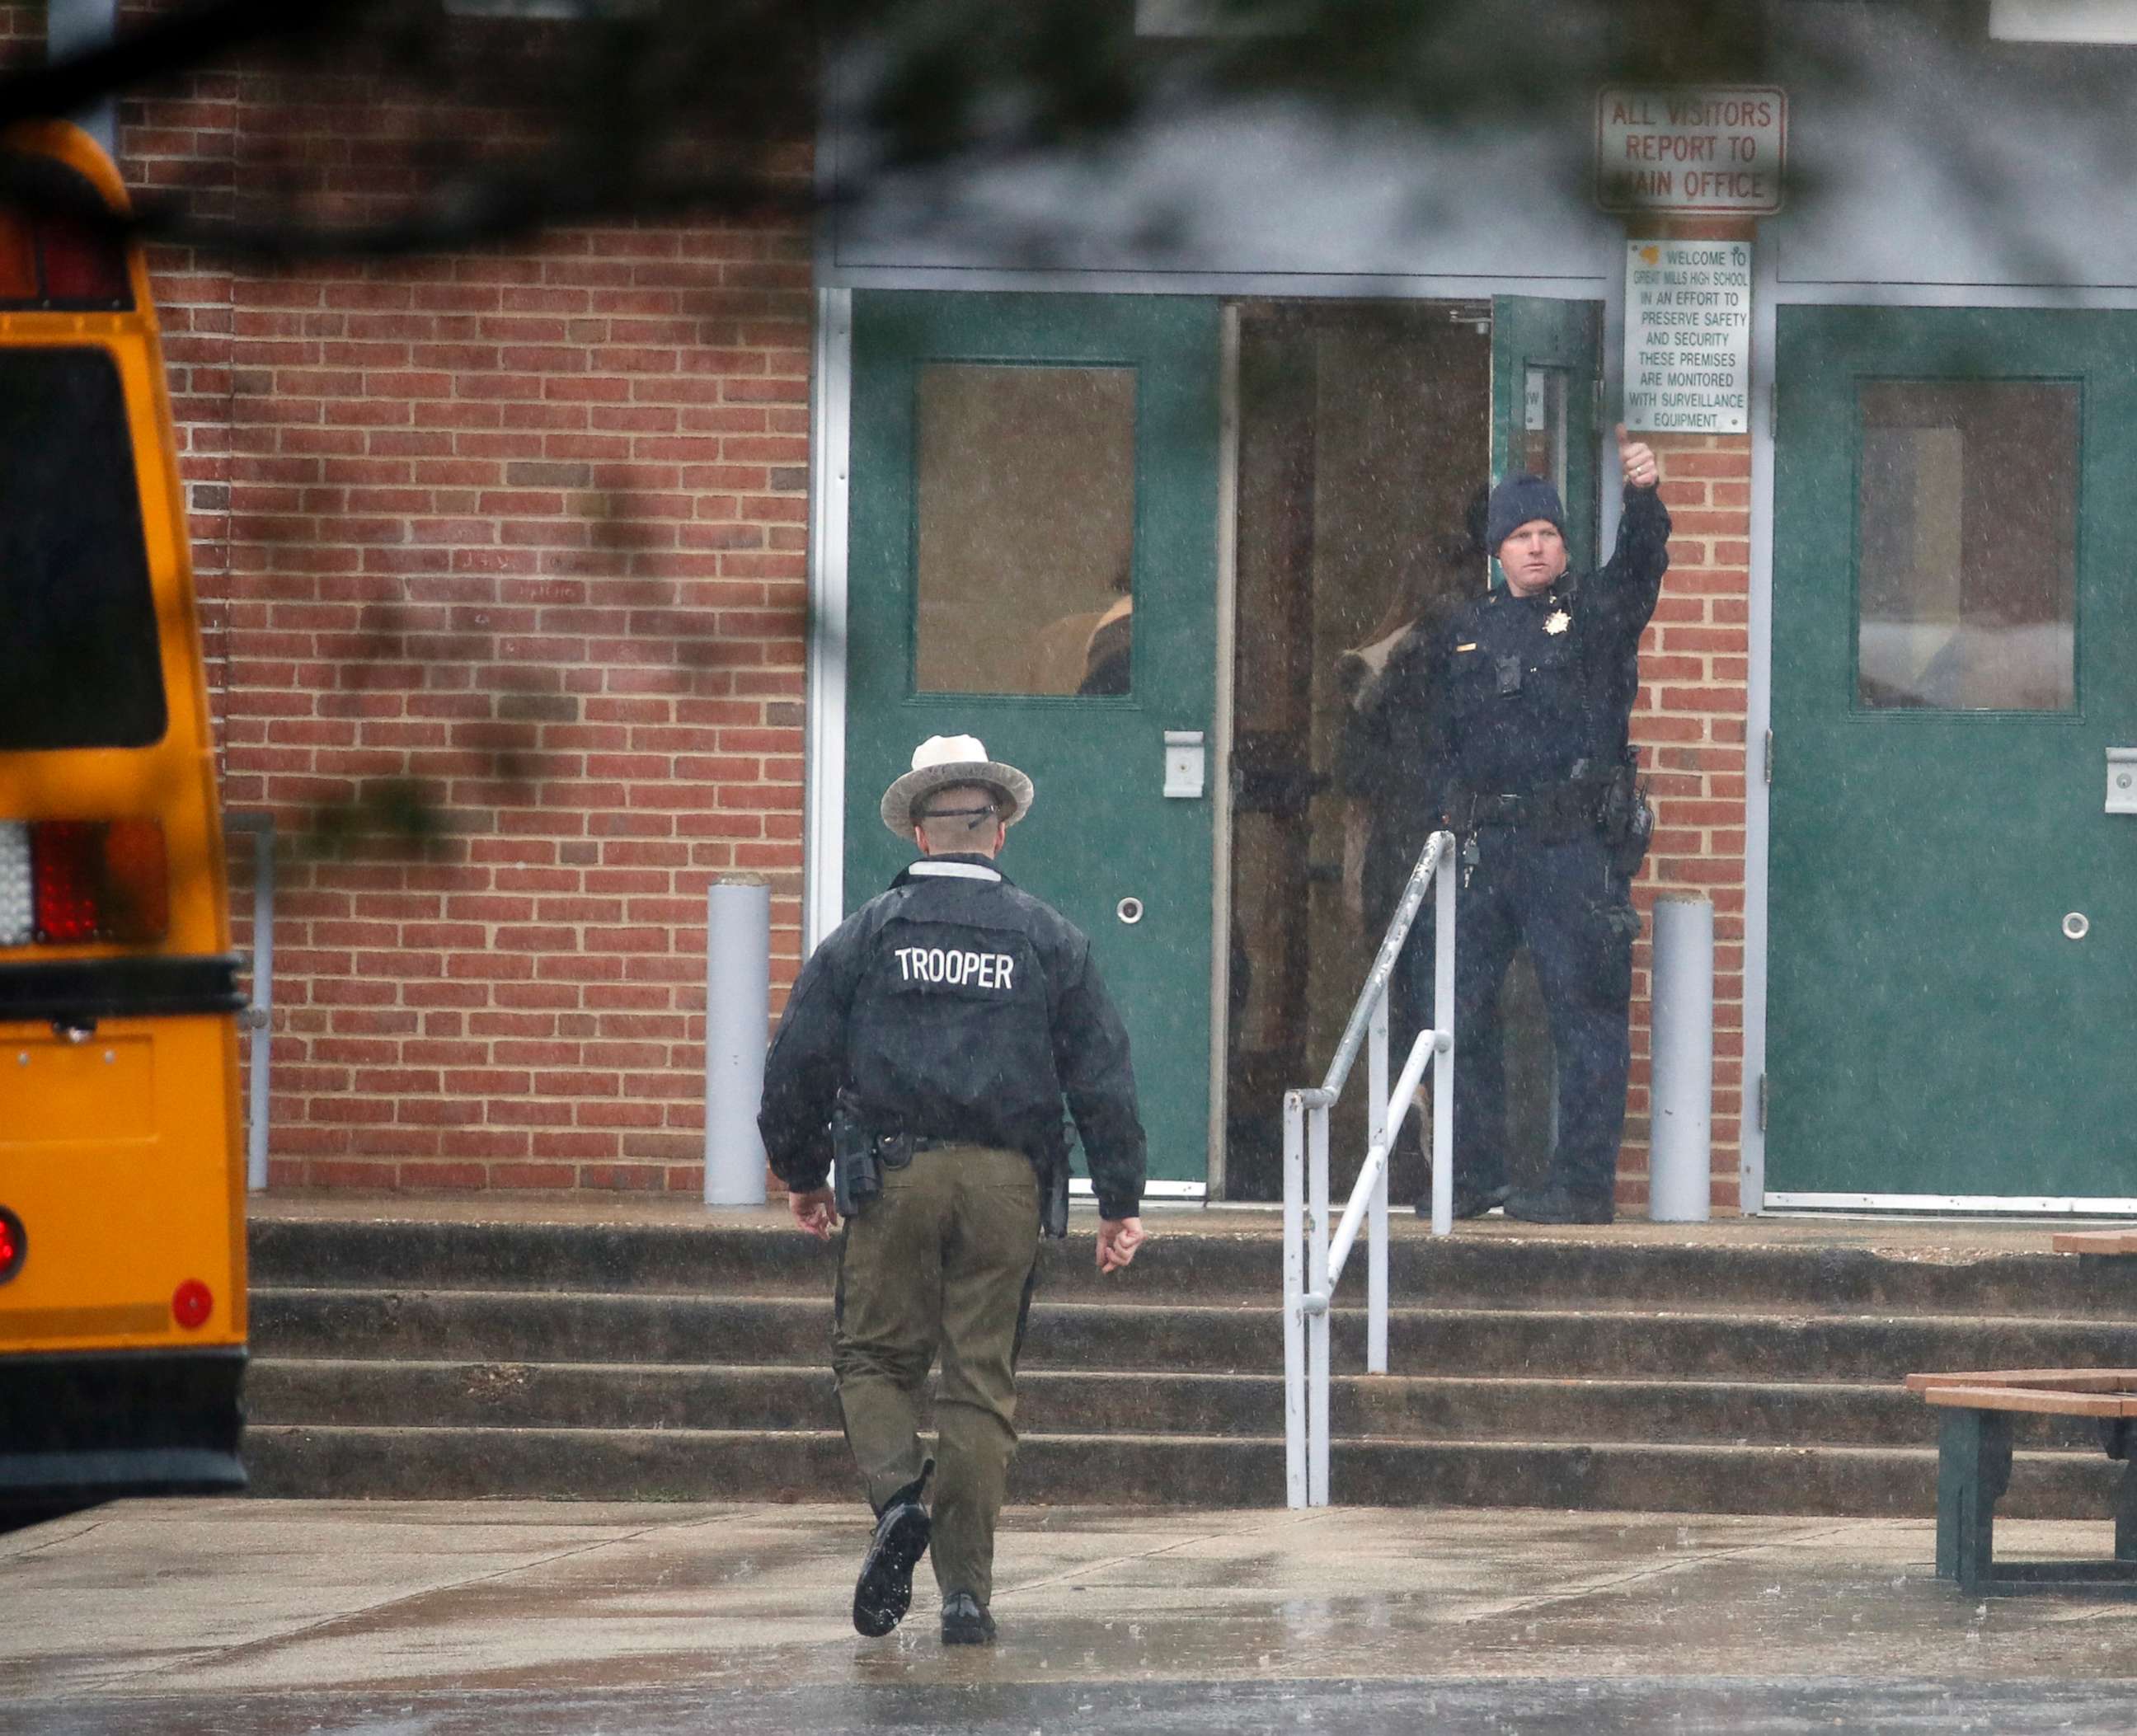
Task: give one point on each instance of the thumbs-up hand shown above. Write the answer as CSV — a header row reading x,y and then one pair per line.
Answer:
x,y
1638,459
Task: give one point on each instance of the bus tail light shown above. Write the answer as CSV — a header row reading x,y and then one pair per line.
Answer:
x,y
18,259
62,245
66,882
14,1244
192,1303
82,263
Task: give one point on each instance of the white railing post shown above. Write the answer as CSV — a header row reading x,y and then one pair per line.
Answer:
x,y
1443,1066
1317,1279
1294,1300
1376,1233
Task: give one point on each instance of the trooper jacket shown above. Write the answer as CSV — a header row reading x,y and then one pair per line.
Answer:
x,y
955,1006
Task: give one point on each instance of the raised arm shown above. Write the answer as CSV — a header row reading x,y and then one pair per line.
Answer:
x,y
1631,580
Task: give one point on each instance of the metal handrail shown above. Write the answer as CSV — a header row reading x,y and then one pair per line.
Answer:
x,y
1399,1102
1384,963
1311,1266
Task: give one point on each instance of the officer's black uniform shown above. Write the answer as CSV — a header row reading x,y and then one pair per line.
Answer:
x,y
1533,700
958,1011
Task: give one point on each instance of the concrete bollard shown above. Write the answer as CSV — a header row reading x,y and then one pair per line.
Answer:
x,y
738,1020
1679,1146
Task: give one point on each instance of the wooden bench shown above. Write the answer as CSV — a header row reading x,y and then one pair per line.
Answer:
x,y
2095,1241
1974,1467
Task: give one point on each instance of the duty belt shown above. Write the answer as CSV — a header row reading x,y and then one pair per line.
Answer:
x,y
1562,808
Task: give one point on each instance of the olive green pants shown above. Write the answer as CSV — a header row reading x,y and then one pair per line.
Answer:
x,y
945,1259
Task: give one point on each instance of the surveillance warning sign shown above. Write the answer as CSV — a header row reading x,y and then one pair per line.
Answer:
x,y
1688,337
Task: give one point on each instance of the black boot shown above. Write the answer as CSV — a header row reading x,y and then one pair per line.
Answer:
x,y
883,1593
966,1621
1558,1204
1469,1202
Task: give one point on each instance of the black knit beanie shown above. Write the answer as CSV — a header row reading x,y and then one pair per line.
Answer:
x,y
1518,500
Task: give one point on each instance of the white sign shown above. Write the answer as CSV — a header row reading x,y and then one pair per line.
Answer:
x,y
1720,148
1688,337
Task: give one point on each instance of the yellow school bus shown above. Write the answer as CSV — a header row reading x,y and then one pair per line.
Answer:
x,y
122,1232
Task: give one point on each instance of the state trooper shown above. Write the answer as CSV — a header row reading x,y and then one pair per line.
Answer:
x,y
922,1061
1530,766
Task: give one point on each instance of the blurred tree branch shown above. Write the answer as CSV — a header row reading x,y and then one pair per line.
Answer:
x,y
630,109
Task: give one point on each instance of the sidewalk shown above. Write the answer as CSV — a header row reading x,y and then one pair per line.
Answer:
x,y
435,1616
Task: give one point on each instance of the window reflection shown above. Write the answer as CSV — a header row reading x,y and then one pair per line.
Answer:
x,y
1026,520
1966,546
1542,445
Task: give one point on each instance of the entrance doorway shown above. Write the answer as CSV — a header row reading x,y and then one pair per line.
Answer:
x,y
1365,431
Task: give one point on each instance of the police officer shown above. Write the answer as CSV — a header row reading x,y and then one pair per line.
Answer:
x,y
1531,768
926,1048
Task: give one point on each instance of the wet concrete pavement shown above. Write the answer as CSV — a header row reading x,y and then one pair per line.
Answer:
x,y
420,1619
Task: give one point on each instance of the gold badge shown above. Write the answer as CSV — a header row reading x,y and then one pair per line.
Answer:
x,y
1557,621
1470,646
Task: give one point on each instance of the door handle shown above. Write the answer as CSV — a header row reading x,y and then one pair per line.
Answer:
x,y
2122,780
1184,765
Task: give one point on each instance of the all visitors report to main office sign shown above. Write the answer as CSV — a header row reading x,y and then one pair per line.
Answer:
x,y
1691,148
1688,337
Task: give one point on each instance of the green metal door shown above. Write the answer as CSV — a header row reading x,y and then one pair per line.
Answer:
x,y
1033,560
1546,391
1953,913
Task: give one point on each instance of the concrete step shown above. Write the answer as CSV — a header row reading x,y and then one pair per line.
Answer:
x,y
1596,1342
1155,1470
1615,1370
344,1393
768,1259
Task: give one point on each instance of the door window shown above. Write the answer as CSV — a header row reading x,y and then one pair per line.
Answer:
x,y
1966,546
1542,444
1026,531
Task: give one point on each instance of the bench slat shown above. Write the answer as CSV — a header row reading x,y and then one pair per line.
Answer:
x,y
2061,1380
2034,1400
2094,1242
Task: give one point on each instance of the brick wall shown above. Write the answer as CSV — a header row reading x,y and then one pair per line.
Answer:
x,y
1695,664
518,534
1689,725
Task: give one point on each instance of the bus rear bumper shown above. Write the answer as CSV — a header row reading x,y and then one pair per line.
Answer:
x,y
81,1427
